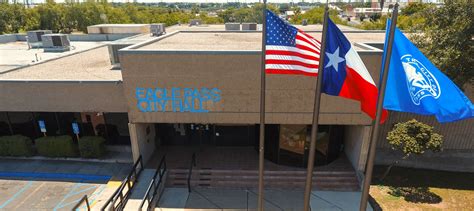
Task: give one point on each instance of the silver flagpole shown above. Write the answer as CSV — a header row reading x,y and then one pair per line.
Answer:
x,y
314,128
261,150
375,133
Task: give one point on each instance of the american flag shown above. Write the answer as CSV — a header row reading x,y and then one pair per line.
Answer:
x,y
288,49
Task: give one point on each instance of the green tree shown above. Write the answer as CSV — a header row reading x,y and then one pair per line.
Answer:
x,y
413,138
315,16
447,40
12,17
413,8
51,16
195,9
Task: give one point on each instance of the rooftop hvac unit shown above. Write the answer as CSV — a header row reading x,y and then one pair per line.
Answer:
x,y
232,26
55,42
157,29
195,22
249,27
113,53
34,37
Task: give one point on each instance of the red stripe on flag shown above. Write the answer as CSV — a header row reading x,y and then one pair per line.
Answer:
x,y
302,32
290,72
307,41
290,62
290,53
303,47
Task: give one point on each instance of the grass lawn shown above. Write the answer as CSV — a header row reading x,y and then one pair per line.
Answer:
x,y
417,189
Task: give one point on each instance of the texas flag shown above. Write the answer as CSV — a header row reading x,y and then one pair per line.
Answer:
x,y
345,74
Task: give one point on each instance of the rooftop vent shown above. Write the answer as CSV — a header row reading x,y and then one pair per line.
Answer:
x,y
55,42
157,29
232,26
113,53
34,37
249,26
195,22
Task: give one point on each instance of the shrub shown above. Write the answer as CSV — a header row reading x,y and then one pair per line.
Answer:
x,y
92,146
16,145
56,146
413,138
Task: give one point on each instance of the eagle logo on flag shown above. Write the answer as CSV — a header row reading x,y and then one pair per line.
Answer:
x,y
421,82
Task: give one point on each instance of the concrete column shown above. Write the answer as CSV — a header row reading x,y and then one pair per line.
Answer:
x,y
356,142
142,137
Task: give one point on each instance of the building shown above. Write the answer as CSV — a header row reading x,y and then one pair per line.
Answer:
x,y
193,89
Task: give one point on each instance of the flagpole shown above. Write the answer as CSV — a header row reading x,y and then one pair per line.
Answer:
x,y
261,150
375,133
314,128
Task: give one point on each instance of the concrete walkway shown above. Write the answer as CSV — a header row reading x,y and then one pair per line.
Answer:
x,y
118,171
241,199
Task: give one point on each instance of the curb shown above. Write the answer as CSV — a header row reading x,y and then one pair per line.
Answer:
x,y
81,177
69,159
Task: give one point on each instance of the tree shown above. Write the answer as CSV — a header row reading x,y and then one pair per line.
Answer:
x,y
315,16
51,16
413,138
413,8
195,9
448,39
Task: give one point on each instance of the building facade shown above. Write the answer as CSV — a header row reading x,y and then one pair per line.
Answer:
x,y
197,87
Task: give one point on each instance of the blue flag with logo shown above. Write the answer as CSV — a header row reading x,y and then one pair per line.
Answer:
x,y
415,85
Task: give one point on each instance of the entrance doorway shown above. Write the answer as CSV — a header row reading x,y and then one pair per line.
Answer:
x,y
286,145
206,135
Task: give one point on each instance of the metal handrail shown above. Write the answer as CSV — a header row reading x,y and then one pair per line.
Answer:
x,y
84,198
128,182
155,183
193,163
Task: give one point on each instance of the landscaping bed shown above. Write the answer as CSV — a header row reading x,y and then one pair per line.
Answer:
x,y
419,189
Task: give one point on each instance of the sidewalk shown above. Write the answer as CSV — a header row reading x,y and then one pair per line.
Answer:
x,y
118,171
116,154
241,199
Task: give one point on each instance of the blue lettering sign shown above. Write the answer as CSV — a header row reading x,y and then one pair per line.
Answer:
x,y
177,99
75,128
42,126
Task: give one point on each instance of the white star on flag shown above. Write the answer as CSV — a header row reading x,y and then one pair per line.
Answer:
x,y
334,59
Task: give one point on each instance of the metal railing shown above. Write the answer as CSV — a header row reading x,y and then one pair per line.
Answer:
x,y
153,188
118,200
190,172
83,199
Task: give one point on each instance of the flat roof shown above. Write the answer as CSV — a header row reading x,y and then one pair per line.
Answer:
x,y
87,61
17,54
221,27
237,40
93,64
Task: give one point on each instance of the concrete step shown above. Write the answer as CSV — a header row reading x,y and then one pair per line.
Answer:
x,y
216,171
255,177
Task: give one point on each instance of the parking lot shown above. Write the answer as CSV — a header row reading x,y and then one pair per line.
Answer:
x,y
55,185
45,195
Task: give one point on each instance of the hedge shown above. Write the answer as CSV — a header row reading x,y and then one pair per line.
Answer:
x,y
92,146
16,145
56,146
